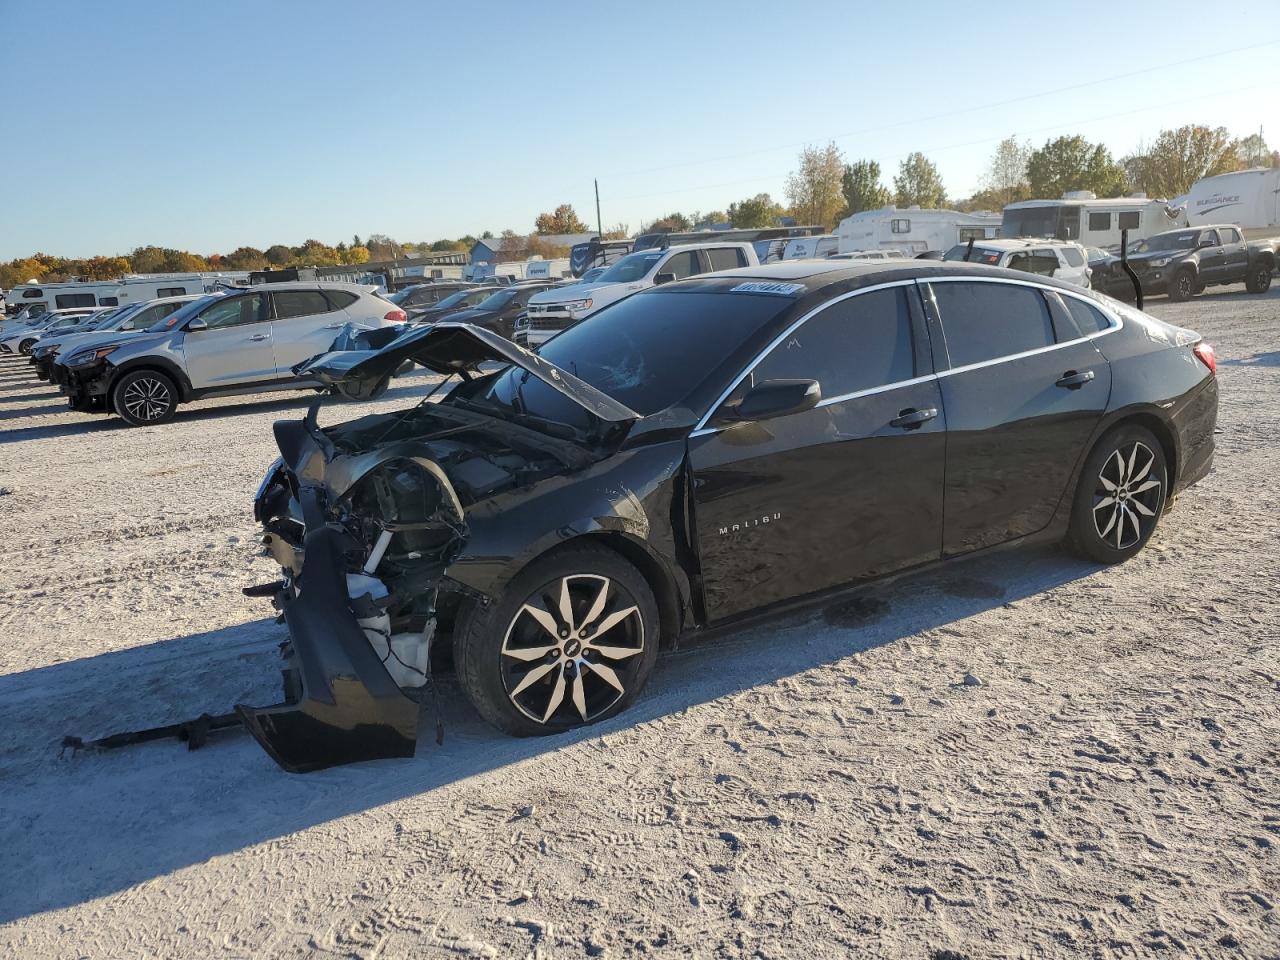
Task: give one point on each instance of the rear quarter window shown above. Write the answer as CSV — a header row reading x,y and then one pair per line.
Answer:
x,y
1089,319
1073,256
340,298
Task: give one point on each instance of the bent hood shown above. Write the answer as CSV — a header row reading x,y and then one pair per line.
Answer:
x,y
450,347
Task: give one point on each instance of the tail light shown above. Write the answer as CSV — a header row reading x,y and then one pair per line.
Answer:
x,y
396,316
1204,353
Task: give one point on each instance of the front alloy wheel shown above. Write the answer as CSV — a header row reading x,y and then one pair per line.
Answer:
x,y
144,397
571,641
572,650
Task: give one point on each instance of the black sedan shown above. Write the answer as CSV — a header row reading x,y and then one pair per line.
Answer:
x,y
460,300
689,457
499,310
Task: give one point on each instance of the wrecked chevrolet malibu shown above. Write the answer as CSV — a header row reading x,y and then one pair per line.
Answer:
x,y
689,456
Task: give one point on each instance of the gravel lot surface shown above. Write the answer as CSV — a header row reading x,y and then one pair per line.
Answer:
x,y
1022,755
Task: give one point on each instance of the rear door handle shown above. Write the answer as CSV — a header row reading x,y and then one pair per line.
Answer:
x,y
1073,380
258,336
912,418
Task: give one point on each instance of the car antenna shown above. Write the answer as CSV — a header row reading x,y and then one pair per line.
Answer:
x,y
1124,265
968,251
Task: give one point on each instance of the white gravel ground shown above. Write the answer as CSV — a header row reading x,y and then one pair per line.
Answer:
x,y
830,785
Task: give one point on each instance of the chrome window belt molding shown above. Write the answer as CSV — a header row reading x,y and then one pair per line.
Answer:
x,y
702,430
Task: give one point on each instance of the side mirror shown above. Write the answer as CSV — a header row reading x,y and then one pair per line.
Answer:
x,y
197,324
662,278
777,398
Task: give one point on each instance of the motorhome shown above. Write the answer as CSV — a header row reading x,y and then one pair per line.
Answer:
x,y
913,230
1250,199
116,293
1092,222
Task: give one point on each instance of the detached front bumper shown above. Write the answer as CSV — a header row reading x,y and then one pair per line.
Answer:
x,y
341,705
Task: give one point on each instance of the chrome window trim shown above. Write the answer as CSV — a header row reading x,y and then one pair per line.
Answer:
x,y
701,429
1116,321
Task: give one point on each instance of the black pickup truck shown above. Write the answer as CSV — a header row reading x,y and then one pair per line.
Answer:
x,y
1182,263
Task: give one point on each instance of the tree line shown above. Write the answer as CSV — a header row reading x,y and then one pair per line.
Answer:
x,y
823,189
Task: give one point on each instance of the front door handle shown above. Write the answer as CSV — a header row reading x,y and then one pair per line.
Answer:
x,y
1073,380
911,418
258,336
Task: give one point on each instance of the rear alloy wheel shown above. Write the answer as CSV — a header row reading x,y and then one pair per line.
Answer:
x,y
1259,279
26,345
144,397
573,641
1120,496
1183,286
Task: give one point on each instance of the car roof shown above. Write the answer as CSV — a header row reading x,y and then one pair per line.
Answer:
x,y
304,285
1015,243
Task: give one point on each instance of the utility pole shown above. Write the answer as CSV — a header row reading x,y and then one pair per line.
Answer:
x,y
599,223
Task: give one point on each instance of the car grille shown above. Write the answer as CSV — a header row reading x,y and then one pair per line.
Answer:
x,y
549,323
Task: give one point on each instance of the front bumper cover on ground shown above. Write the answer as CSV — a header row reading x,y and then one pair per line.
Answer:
x,y
347,707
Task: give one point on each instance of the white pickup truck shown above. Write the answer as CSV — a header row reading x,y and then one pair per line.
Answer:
x,y
556,309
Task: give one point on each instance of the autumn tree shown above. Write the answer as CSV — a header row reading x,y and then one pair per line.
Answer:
x,y
382,247
1073,163
105,268
512,246
278,255
699,219
1178,158
671,223
22,271
1253,151
1005,179
813,190
244,258
754,212
918,183
861,187
561,220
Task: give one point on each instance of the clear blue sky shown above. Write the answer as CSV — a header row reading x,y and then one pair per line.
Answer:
x,y
208,127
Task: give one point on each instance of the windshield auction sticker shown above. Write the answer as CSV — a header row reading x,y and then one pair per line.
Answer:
x,y
764,286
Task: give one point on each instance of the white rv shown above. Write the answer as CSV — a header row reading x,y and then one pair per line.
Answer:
x,y
811,248
1090,222
117,293
1248,198
913,230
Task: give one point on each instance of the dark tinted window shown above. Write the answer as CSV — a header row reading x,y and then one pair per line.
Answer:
x,y
65,300
299,303
340,298
171,292
109,301
649,351
1038,261
723,258
234,311
983,321
421,297
1129,220
683,264
1088,319
856,344
1100,221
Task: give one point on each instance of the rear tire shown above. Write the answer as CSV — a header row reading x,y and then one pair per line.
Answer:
x,y
1119,497
529,670
1259,278
1182,286
144,398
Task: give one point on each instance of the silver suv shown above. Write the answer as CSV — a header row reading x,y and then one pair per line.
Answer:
x,y
243,341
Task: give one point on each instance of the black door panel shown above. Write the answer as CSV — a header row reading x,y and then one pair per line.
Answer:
x,y
1015,435
798,504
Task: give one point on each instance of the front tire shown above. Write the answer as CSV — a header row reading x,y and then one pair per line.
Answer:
x,y
1259,279
1182,286
144,398
1120,496
571,641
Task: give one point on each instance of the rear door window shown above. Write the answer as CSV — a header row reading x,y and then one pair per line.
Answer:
x,y
299,303
857,344
726,258
986,321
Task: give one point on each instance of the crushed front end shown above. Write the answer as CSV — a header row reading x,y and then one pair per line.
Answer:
x,y
362,540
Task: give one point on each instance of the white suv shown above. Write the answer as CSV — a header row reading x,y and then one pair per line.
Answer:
x,y
554,310
1061,259
242,341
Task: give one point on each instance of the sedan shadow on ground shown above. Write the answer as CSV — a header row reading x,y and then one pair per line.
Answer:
x,y
74,828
